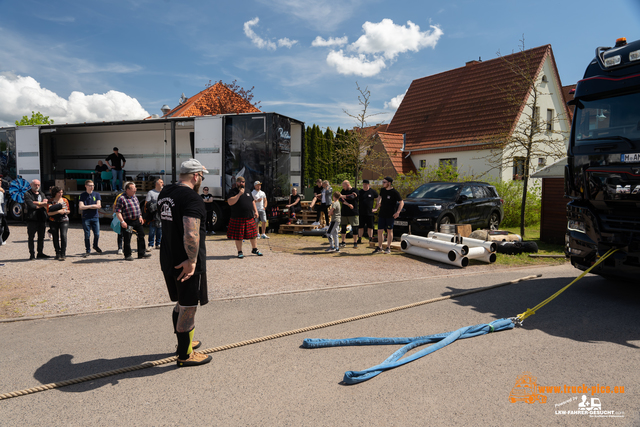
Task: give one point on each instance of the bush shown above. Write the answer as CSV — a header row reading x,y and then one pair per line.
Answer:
x,y
511,193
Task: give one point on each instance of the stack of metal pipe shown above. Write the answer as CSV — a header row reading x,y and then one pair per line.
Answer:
x,y
449,248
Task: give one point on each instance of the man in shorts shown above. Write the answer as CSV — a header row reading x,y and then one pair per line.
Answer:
x,y
183,256
366,196
244,213
261,204
349,199
390,205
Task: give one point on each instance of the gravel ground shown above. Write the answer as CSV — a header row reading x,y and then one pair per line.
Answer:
x,y
103,281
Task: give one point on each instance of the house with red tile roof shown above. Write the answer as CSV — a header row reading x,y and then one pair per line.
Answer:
x,y
216,99
458,116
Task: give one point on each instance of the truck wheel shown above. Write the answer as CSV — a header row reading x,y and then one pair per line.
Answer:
x,y
15,211
218,218
494,221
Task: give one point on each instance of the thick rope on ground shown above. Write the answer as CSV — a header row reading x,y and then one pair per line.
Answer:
x,y
145,365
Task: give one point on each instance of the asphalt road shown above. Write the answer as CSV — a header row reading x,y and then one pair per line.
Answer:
x,y
589,335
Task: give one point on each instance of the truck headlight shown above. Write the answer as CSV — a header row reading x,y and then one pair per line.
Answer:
x,y
612,61
574,225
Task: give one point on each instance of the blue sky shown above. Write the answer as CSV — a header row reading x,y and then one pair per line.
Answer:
x,y
104,60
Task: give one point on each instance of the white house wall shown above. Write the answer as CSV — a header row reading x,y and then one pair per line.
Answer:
x,y
473,162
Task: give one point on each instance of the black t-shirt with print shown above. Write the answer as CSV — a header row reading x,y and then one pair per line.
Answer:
x,y
389,202
208,206
352,199
243,208
174,203
367,198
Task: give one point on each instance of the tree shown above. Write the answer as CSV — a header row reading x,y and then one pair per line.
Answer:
x,y
532,136
36,119
226,105
354,151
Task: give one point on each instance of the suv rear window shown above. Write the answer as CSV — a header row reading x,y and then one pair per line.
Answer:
x,y
436,191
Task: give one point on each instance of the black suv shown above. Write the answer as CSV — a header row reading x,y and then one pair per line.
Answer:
x,y
435,203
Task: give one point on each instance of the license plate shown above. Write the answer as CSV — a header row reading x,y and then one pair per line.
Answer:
x,y
401,223
630,158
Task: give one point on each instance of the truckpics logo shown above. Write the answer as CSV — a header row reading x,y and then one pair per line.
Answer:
x,y
526,390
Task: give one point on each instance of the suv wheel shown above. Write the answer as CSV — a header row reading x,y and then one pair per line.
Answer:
x,y
494,221
447,219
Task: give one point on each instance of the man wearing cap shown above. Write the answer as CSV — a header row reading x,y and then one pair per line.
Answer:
x,y
367,197
183,256
130,216
390,205
261,205
116,162
242,224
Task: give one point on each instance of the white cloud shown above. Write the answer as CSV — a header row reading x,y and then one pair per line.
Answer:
x,y
265,43
358,65
256,39
285,42
395,102
319,41
381,42
19,96
390,39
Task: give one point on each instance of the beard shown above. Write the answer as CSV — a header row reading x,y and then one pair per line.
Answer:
x,y
197,185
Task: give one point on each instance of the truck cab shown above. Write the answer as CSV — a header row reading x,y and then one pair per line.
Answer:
x,y
602,175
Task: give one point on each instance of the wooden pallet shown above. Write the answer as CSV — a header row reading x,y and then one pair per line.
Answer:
x,y
296,228
144,185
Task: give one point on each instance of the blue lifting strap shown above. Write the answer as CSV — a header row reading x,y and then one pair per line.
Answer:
x,y
393,361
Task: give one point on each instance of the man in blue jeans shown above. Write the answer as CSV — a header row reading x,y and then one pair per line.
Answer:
x,y
90,203
116,162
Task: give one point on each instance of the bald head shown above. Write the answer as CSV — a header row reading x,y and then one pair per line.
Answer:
x,y
35,185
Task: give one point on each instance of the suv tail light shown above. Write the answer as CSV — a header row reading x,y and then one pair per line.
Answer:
x,y
502,201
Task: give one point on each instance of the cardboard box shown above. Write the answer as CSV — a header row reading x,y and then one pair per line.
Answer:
x,y
463,229
70,185
60,183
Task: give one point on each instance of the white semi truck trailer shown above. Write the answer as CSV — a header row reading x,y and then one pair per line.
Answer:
x,y
266,147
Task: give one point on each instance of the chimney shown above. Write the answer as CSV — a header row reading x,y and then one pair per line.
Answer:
x,y
473,62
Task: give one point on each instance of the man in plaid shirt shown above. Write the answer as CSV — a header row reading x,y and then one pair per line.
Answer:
x,y
130,216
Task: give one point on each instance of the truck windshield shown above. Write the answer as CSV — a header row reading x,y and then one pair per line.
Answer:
x,y
615,118
435,191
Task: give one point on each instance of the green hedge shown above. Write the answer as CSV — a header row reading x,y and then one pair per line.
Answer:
x,y
511,193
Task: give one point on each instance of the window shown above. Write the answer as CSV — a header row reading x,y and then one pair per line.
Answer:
x,y
423,163
453,162
542,162
466,191
549,119
518,168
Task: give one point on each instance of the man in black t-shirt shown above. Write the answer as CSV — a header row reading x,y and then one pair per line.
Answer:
x,y
349,199
116,162
390,205
367,196
317,202
183,256
242,224
208,203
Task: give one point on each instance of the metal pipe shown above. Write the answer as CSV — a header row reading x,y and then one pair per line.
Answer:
x,y
451,258
482,254
438,245
472,243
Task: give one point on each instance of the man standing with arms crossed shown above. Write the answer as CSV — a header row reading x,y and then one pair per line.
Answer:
x,y
183,256
90,202
242,224
390,204
367,197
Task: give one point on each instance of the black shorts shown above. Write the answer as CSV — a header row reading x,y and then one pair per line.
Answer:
x,y
366,221
189,292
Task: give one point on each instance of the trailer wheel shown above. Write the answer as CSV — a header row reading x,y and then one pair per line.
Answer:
x,y
218,217
15,211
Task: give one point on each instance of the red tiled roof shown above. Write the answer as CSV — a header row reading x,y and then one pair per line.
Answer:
x,y
216,99
393,143
460,107
568,97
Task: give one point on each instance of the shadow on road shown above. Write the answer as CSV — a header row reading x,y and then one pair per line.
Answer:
x,y
61,368
591,310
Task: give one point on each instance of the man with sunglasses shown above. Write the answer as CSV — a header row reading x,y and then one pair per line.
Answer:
x,y
183,256
208,203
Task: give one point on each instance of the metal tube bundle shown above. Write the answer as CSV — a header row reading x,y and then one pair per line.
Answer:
x,y
449,249
472,243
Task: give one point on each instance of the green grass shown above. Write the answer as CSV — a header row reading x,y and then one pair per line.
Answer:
x,y
532,234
